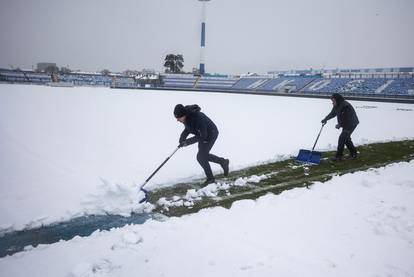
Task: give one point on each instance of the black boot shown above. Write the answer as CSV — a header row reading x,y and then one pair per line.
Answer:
x,y
337,158
352,156
225,166
208,181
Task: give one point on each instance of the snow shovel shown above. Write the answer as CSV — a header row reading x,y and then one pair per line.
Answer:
x,y
310,156
149,178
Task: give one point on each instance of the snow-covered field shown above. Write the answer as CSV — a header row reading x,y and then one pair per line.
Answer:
x,y
70,151
65,152
359,224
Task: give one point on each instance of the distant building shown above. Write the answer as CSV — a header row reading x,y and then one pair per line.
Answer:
x,y
390,72
42,66
148,78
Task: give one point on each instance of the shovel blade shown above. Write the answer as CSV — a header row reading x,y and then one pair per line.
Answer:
x,y
145,196
307,156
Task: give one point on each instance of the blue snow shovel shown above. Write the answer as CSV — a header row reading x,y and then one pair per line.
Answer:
x,y
310,156
149,178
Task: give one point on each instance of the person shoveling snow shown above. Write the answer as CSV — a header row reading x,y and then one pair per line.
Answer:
x,y
205,133
347,120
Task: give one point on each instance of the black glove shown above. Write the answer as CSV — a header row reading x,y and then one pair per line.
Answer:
x,y
324,121
183,143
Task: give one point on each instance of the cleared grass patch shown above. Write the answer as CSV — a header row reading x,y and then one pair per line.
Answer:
x,y
282,176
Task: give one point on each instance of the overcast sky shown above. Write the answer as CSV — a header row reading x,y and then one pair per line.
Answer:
x,y
241,36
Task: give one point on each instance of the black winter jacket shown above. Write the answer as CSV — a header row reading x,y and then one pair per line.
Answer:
x,y
198,124
345,113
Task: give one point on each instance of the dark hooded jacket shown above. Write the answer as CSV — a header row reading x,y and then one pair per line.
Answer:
x,y
345,113
198,124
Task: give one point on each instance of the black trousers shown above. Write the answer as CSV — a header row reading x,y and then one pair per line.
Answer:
x,y
345,139
204,156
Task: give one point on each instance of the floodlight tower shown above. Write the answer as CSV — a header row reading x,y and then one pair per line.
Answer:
x,y
203,35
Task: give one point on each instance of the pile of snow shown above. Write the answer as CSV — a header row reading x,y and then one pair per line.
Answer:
x,y
211,190
359,224
114,198
58,144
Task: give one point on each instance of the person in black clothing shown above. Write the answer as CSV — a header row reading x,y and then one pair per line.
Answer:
x,y
347,120
205,133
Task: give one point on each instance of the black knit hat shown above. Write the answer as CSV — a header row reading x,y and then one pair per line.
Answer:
x,y
338,98
179,111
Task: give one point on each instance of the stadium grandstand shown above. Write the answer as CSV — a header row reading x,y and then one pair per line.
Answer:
x,y
73,78
377,82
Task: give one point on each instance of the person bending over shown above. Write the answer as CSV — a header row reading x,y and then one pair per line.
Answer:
x,y
205,133
347,120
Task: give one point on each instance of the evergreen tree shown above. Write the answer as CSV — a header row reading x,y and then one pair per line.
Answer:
x,y
174,63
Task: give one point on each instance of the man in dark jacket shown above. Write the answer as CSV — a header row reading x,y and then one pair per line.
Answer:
x,y
205,133
347,120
